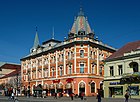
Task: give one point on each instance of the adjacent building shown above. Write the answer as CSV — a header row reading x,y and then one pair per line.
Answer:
x,y
10,76
73,65
122,72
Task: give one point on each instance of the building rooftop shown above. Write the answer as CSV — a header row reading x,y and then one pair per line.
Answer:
x,y
131,46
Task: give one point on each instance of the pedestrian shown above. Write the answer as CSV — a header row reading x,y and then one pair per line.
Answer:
x,y
82,95
55,95
126,96
71,95
99,97
12,96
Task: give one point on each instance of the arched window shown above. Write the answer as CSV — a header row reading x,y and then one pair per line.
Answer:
x,y
134,65
81,53
92,87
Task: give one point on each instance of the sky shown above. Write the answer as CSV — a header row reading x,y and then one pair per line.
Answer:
x,y
115,22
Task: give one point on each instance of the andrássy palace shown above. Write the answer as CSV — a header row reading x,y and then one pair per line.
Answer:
x,y
74,65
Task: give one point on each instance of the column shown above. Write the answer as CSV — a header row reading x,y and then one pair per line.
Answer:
x,y
31,69
36,68
88,59
42,67
56,65
97,61
64,61
75,59
49,65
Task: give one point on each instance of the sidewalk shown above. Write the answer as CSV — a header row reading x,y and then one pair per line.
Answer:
x,y
65,99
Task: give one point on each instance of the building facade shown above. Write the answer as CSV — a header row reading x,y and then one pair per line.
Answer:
x,y
122,72
10,77
74,65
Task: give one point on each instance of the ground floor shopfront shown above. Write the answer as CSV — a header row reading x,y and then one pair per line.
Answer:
x,y
90,86
115,89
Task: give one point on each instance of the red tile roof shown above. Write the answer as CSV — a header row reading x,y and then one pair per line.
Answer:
x,y
14,73
131,46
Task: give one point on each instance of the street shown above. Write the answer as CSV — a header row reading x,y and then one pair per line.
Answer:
x,y
64,99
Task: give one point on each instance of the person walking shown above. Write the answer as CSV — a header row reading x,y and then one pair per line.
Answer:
x,y
12,96
55,95
99,97
71,95
126,96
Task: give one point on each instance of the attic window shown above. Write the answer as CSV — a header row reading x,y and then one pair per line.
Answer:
x,y
81,33
49,44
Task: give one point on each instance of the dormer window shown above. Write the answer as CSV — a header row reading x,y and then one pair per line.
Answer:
x,y
81,33
49,44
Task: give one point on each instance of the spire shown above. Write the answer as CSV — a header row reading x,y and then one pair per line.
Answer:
x,y
53,33
81,13
36,41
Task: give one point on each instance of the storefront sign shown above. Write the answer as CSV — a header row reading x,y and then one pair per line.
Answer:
x,y
115,83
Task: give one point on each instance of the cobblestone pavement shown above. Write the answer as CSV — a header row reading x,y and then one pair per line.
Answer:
x,y
64,99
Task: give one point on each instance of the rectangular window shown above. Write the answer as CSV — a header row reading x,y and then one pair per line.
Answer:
x,y
93,68
81,68
134,90
120,70
81,53
111,71
60,71
70,70
62,58
52,72
100,71
118,90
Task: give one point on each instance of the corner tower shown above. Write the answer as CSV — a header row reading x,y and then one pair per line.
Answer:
x,y
81,27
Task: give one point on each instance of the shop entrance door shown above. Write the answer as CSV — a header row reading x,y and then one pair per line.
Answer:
x,y
111,91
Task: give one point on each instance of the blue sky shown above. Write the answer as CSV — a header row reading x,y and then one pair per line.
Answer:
x,y
115,22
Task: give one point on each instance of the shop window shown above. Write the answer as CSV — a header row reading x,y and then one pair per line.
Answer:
x,y
92,87
118,90
81,68
134,90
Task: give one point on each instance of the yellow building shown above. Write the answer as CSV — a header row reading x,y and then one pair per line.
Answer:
x,y
122,72
73,65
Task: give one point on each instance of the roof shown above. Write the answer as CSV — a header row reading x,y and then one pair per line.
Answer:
x,y
81,24
15,68
131,46
13,73
51,40
10,66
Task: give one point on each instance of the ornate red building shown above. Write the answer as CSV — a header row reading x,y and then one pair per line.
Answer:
x,y
73,65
